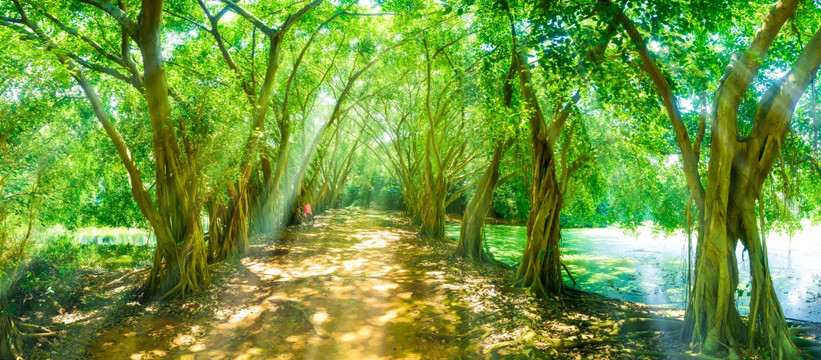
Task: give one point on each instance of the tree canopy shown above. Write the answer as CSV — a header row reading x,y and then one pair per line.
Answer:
x,y
210,122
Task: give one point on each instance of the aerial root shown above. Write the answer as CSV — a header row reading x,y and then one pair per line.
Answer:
x,y
568,273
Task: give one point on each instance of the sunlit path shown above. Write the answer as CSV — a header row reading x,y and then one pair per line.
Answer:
x,y
353,286
157,156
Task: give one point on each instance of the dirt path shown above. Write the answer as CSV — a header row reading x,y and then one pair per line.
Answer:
x,y
355,286
359,285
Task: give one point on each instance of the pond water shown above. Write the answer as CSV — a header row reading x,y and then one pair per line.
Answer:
x,y
652,268
114,236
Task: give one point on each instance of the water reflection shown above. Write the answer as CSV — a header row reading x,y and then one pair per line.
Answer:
x,y
114,236
652,268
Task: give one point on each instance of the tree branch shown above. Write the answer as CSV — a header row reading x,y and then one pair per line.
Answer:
x,y
130,26
688,157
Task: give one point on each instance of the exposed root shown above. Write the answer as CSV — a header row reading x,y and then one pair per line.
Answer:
x,y
807,347
804,343
526,339
630,353
628,329
800,321
813,351
489,259
589,339
794,331
639,324
511,289
584,340
649,324
14,331
297,306
121,278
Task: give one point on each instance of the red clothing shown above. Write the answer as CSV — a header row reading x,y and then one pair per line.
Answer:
x,y
307,210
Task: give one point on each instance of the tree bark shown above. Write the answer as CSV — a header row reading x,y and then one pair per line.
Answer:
x,y
179,259
473,220
737,170
540,268
235,238
433,203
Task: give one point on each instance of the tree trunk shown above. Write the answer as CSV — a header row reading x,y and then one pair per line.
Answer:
x,y
540,268
232,238
736,174
271,206
236,237
433,215
737,170
180,260
433,205
473,220
541,265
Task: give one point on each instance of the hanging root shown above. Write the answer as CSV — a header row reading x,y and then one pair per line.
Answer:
x,y
568,274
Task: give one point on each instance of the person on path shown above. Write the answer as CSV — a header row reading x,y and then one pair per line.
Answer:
x,y
307,214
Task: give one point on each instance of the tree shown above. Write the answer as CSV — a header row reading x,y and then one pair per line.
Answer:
x,y
473,219
34,173
179,261
233,236
540,268
422,125
738,166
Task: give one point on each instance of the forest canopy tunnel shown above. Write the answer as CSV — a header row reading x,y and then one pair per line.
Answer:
x,y
207,122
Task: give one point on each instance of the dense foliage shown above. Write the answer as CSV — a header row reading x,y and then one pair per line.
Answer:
x,y
206,122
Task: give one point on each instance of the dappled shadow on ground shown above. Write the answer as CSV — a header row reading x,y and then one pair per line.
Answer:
x,y
356,285
359,285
